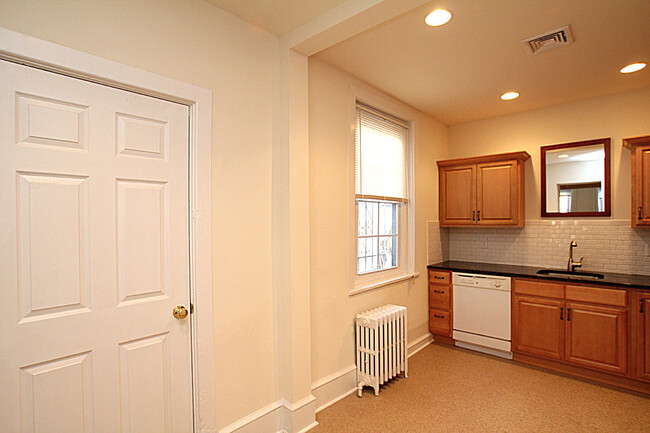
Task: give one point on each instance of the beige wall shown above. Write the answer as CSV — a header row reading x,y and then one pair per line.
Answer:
x,y
616,116
332,309
194,42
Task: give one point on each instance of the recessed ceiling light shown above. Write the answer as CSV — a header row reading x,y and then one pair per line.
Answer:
x,y
633,68
438,18
564,155
509,95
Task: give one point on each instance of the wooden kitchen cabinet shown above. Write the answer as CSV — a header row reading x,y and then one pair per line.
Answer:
x,y
641,334
440,304
640,148
483,191
538,327
575,324
596,337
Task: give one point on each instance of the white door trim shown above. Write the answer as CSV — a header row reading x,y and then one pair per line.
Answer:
x,y
45,55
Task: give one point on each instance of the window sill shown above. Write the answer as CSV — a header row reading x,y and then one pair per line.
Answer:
x,y
368,288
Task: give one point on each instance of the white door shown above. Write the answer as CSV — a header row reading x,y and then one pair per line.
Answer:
x,y
94,235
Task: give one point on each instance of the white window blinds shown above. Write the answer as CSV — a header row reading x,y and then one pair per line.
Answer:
x,y
380,155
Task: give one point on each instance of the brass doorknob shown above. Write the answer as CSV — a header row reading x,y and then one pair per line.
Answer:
x,y
180,312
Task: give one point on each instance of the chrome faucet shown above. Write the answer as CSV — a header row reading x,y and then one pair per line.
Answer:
x,y
571,265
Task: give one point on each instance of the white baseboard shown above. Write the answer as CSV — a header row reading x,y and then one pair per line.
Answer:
x,y
266,419
334,387
280,416
300,416
420,343
339,385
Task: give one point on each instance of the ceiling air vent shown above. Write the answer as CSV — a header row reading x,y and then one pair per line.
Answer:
x,y
548,41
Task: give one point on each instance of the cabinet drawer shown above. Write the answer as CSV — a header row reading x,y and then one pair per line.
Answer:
x,y
440,322
536,288
439,297
439,277
597,295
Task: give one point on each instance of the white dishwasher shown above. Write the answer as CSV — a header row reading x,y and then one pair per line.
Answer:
x,y
482,313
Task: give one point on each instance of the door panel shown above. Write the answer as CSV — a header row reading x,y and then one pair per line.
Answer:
x,y
52,217
141,266
94,229
457,198
538,327
145,385
643,185
597,337
41,385
497,193
641,335
49,122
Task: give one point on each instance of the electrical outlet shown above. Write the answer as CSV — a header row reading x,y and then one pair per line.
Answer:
x,y
484,244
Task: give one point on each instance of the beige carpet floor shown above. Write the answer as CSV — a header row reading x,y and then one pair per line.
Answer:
x,y
457,390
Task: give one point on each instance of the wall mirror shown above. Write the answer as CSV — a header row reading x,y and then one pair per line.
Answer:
x,y
576,179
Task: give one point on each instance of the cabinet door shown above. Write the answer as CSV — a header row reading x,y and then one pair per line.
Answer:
x,y
496,193
538,327
642,335
457,195
641,187
596,337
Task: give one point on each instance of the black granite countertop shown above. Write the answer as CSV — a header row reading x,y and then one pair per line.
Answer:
x,y
611,279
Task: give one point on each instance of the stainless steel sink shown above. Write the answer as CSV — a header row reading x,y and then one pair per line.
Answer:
x,y
568,274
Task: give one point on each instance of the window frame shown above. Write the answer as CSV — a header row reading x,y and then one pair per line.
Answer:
x,y
360,283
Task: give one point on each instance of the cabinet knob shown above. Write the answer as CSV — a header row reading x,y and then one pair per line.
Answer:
x,y
640,213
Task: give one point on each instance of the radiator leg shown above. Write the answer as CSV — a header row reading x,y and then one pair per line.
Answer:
x,y
360,388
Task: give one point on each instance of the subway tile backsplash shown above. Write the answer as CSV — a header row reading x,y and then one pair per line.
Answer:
x,y
438,242
607,245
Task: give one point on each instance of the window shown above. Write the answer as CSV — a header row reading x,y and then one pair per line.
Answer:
x,y
381,157
378,235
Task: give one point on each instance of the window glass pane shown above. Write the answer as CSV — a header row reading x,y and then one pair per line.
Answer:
x,y
387,252
368,218
388,218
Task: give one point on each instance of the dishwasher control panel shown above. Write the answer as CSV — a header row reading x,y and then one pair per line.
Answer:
x,y
481,281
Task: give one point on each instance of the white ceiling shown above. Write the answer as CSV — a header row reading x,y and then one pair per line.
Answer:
x,y
276,16
457,72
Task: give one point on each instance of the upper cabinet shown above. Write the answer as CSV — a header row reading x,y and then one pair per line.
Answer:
x,y
483,191
640,147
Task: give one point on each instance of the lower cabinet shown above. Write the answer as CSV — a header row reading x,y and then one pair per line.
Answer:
x,y
579,333
596,337
440,303
641,335
538,327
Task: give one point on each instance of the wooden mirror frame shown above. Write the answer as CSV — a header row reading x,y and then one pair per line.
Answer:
x,y
606,142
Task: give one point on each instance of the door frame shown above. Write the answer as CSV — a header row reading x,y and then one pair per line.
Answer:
x,y
30,51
